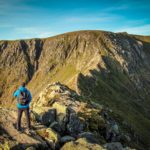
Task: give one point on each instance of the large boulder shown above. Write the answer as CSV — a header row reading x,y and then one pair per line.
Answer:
x,y
61,117
75,125
45,115
81,144
48,117
50,136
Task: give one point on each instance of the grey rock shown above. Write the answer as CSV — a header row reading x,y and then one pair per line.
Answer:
x,y
89,137
113,146
48,117
112,130
62,120
74,126
67,138
81,144
31,148
56,126
125,138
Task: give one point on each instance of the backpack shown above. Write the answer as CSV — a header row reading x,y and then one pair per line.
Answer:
x,y
23,98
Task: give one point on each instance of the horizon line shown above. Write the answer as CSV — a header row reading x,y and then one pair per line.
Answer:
x,y
75,31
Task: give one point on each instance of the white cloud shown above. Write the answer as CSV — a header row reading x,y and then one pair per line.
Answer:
x,y
88,19
120,7
143,29
11,7
34,32
124,5
46,34
5,25
91,18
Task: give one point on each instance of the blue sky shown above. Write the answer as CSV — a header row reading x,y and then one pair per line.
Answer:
x,y
21,19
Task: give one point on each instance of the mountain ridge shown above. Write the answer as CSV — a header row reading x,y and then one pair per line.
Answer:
x,y
79,31
109,68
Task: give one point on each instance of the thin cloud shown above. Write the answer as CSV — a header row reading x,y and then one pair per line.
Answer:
x,y
135,4
5,25
103,17
46,34
144,30
127,5
34,32
114,8
10,8
86,19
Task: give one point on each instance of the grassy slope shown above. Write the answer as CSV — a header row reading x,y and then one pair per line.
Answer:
x,y
116,91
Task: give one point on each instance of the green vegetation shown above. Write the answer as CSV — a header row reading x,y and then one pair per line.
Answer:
x,y
116,91
64,74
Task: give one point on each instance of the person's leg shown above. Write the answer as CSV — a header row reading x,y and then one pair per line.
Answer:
x,y
27,113
19,119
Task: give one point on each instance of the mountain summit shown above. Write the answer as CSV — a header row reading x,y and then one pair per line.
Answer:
x,y
110,69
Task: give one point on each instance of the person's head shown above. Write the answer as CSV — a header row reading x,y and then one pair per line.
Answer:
x,y
23,84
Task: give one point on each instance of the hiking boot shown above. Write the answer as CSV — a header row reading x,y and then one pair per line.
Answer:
x,y
18,129
30,131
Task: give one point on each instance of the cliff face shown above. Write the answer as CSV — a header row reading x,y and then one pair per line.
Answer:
x,y
111,69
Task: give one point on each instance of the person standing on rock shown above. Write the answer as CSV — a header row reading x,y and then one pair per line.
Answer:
x,y
24,98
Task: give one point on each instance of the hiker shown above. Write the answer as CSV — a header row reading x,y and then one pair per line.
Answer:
x,y
23,100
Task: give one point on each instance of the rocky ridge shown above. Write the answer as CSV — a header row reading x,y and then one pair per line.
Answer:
x,y
61,120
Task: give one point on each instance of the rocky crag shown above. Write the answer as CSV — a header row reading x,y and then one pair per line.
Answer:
x,y
110,69
61,120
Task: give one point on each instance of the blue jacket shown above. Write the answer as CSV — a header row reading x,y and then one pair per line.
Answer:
x,y
17,93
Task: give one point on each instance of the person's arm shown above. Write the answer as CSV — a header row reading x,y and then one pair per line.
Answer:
x,y
16,93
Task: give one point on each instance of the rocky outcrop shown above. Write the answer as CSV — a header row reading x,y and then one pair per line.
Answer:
x,y
51,137
81,144
62,120
72,121
72,115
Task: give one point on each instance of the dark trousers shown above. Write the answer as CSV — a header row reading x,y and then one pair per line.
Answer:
x,y
27,113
